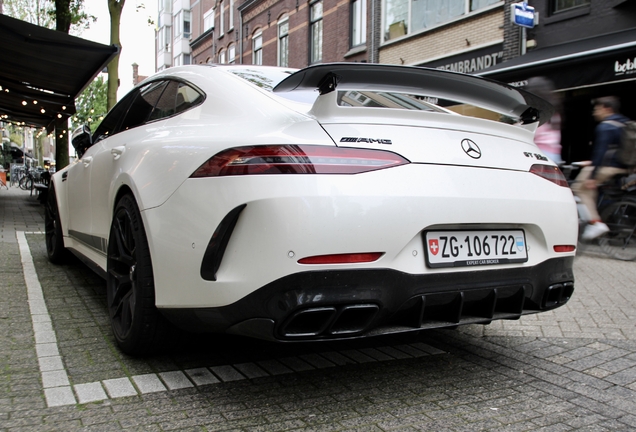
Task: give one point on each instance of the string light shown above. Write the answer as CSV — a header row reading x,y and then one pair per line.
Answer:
x,y
24,102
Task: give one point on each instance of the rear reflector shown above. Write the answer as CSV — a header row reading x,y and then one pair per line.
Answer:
x,y
564,248
551,173
342,258
296,159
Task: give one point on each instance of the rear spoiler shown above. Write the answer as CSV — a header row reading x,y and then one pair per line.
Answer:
x,y
477,91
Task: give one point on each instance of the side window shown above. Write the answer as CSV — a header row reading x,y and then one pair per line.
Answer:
x,y
142,105
176,98
109,125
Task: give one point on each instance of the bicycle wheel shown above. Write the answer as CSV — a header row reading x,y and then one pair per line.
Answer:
x,y
620,241
26,183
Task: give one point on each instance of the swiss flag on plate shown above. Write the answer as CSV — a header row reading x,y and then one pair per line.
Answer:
x,y
433,246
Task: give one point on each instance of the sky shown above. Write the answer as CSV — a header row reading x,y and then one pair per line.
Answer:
x,y
136,35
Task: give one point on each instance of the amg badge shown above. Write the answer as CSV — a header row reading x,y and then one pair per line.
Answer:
x,y
366,140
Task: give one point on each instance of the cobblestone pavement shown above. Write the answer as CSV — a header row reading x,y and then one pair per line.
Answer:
x,y
570,369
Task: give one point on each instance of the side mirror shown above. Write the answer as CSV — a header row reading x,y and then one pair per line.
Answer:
x,y
81,139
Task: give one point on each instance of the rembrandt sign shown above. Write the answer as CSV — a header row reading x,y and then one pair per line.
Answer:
x,y
470,62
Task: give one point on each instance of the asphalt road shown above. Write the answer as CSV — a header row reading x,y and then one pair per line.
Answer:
x,y
573,368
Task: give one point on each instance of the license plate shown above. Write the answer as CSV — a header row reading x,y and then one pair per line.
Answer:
x,y
474,248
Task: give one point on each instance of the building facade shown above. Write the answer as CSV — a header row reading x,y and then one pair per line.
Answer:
x,y
458,35
174,33
290,33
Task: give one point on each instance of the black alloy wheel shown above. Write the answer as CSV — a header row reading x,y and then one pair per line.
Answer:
x,y
136,323
55,249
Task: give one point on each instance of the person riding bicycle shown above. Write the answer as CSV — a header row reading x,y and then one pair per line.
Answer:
x,y
604,165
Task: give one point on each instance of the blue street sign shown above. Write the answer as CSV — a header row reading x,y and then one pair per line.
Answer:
x,y
523,15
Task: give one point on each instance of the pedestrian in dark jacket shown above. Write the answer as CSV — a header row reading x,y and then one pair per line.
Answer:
x,y
604,165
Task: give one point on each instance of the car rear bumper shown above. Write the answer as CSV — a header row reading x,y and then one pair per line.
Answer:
x,y
337,304
287,218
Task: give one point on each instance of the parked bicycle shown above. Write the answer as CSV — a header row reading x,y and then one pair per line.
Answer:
x,y
31,177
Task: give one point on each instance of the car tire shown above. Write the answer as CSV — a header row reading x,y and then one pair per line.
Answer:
x,y
54,240
137,325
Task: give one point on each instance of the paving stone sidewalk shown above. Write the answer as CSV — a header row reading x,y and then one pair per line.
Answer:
x,y
570,369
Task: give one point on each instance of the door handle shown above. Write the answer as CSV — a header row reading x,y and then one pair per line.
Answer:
x,y
117,151
87,160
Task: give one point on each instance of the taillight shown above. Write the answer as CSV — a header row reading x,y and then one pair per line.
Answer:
x,y
564,248
549,172
296,159
342,258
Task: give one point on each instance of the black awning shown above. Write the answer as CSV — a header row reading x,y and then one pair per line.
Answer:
x,y
586,62
44,70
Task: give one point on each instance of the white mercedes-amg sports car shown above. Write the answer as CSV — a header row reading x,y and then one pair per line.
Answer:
x,y
337,201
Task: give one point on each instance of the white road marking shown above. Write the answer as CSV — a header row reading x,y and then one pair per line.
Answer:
x,y
58,391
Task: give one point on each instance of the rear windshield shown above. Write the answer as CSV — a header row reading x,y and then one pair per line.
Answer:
x,y
267,79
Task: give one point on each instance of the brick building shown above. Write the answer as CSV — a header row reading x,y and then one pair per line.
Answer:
x,y
289,33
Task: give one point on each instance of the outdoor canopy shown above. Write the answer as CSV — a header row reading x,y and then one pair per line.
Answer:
x,y
43,71
594,61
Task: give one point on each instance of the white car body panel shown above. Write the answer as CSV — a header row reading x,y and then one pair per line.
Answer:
x,y
283,216
287,217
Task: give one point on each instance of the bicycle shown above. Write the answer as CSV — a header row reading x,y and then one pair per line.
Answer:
x,y
617,208
620,217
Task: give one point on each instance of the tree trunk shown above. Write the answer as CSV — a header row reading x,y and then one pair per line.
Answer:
x,y
63,24
115,8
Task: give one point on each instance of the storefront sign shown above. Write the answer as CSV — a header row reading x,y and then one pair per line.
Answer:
x,y
471,61
627,67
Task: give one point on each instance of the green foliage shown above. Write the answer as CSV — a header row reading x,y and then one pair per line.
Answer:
x,y
31,11
43,13
91,105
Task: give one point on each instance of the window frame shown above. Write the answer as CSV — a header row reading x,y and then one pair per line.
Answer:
x,y
554,10
468,10
315,24
231,54
208,20
282,40
221,18
257,52
358,15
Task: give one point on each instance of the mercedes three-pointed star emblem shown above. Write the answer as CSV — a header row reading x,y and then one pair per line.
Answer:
x,y
471,149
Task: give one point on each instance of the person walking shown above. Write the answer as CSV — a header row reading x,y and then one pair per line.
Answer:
x,y
548,136
607,137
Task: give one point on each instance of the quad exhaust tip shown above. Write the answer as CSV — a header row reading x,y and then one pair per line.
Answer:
x,y
330,320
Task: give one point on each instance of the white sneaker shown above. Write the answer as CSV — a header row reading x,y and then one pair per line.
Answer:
x,y
594,230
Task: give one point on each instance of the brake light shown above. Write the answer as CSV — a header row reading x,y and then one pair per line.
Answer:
x,y
564,248
551,173
296,159
342,258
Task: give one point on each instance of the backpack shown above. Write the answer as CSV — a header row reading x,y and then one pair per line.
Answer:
x,y
626,150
